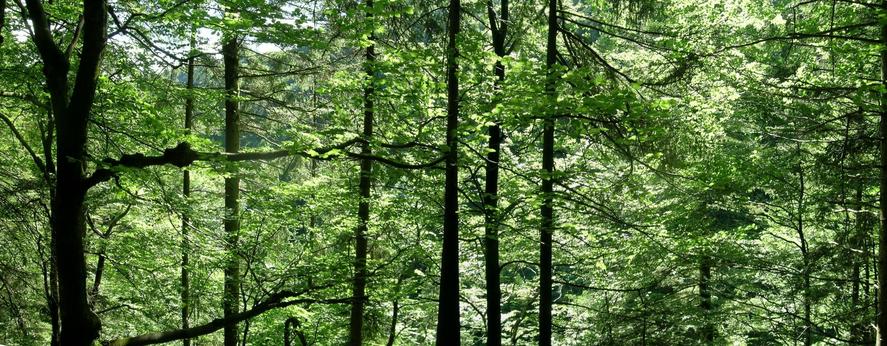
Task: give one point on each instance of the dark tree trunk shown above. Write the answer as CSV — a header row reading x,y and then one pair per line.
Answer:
x,y
392,328
448,304
547,209
499,27
99,272
230,51
363,209
79,325
292,326
805,255
186,192
882,243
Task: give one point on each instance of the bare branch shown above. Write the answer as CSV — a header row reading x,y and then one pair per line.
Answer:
x,y
277,300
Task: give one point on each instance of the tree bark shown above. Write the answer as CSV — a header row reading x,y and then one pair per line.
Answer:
x,y
805,255
79,325
186,192
448,305
392,328
882,234
231,306
547,209
499,28
363,209
292,326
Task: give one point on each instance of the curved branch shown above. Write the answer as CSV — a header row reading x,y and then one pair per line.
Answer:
x,y
273,302
18,136
182,156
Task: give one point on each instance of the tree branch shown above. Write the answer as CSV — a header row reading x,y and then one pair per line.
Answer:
x,y
273,302
95,36
182,156
24,143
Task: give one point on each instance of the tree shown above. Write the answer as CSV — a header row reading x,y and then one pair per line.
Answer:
x,y
365,185
448,325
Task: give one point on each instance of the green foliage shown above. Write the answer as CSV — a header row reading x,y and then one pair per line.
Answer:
x,y
736,137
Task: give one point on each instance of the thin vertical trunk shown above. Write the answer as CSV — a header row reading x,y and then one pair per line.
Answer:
x,y
186,192
805,256
448,304
857,330
392,328
867,284
547,209
708,333
230,51
882,234
499,28
363,208
99,272
395,312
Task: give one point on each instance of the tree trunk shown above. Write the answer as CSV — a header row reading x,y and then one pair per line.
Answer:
x,y
547,209
395,311
79,325
882,234
499,27
805,256
230,51
290,326
448,304
186,191
363,209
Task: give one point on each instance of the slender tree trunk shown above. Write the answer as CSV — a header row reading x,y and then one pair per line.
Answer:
x,y
99,272
547,209
708,333
867,284
805,255
499,27
882,234
230,52
186,192
395,312
363,209
448,305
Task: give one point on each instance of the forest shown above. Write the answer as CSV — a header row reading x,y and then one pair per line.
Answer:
x,y
443,172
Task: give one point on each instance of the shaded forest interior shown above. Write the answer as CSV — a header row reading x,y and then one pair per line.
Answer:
x,y
416,172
